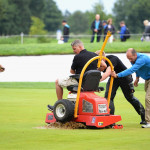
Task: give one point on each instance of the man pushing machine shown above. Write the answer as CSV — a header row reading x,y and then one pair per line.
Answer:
x,y
141,66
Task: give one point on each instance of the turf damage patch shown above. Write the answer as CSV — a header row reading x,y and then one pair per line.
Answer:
x,y
66,125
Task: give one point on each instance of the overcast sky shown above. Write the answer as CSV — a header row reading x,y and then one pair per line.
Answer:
x,y
83,5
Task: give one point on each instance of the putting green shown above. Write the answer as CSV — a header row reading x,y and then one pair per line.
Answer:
x,y
23,109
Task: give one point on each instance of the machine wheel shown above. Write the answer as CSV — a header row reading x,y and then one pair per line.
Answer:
x,y
63,110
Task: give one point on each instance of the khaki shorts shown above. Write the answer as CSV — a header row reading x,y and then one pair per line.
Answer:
x,y
67,82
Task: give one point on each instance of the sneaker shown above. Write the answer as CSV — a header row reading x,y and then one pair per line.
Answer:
x,y
146,125
50,108
143,122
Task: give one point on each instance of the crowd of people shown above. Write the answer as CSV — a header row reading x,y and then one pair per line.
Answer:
x,y
100,28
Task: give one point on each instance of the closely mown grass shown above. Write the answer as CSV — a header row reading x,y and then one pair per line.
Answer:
x,y
54,48
44,85
23,107
28,85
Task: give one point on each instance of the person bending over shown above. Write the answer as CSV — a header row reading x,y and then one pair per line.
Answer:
x,y
141,66
124,83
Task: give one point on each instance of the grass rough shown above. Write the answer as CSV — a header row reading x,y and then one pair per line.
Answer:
x,y
55,49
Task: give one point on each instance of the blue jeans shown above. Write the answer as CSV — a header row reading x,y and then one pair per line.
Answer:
x,y
66,39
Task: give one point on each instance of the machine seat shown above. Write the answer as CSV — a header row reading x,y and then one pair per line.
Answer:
x,y
90,81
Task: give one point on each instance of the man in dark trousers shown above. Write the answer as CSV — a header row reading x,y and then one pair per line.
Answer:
x,y
124,83
105,29
65,31
96,28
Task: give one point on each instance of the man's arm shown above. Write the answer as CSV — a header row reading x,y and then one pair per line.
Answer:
x,y
139,63
136,82
103,66
93,26
106,74
72,71
113,73
100,27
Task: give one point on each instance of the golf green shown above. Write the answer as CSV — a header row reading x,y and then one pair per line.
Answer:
x,y
24,109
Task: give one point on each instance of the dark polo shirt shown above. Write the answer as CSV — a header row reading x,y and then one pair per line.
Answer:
x,y
81,59
117,63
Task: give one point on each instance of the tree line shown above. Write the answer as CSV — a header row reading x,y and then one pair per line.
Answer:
x,y
18,16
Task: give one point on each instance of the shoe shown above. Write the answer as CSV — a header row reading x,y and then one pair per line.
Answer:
x,y
50,108
146,125
143,122
143,118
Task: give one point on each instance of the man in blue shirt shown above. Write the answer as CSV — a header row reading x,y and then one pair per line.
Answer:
x,y
122,31
96,28
141,66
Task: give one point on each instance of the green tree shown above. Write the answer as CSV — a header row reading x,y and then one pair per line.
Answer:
x,y
78,22
21,16
133,12
3,8
15,15
81,22
37,27
6,17
97,9
37,7
52,16
67,14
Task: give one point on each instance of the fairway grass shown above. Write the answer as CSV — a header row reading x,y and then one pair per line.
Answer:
x,y
23,108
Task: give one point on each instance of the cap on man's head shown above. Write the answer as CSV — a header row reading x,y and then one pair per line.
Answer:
x,y
64,21
104,21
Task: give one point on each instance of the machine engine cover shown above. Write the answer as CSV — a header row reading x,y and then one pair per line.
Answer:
x,y
93,105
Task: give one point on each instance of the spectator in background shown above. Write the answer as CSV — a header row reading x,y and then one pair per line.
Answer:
x,y
65,31
122,31
146,34
59,37
105,28
96,28
110,28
